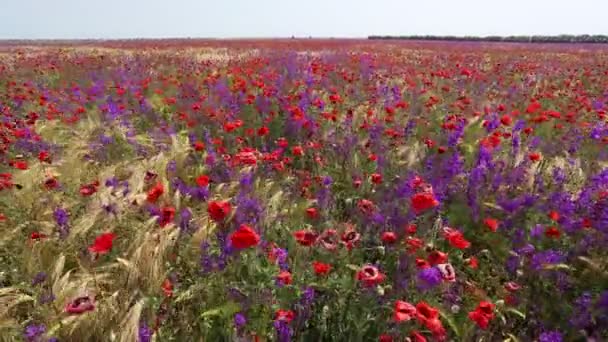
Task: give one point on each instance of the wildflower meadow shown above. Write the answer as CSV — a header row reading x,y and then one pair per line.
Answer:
x,y
304,190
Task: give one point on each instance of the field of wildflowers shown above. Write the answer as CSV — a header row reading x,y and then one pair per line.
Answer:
x,y
304,191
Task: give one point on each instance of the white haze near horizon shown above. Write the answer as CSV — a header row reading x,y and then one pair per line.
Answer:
x,y
114,19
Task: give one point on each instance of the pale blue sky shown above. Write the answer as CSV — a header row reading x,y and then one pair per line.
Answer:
x,y
283,18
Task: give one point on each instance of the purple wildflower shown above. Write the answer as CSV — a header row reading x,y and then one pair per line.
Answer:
x,y
550,336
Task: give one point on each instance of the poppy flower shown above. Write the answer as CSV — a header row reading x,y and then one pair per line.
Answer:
x,y
167,288
411,228
167,214
554,215
20,164
312,213
103,243
297,151
262,131
423,201
199,146
284,278
472,262
202,180
416,336
305,237
366,206
456,239
284,315
413,244
244,237
376,178
150,176
350,238
35,236
88,190
483,314
385,338
437,257
155,192
44,156
534,156
320,268
552,232
512,286
422,264
80,305
429,317
506,120
491,224
389,237
329,239
218,210
447,272
370,276
51,183
404,311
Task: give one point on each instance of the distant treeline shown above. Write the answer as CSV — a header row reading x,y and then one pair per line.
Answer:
x,y
585,38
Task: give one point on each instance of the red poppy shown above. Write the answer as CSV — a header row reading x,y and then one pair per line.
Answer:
x,y
44,156
423,201
103,243
37,236
155,192
329,239
413,244
350,237
88,189
552,232
416,336
437,257
320,268
370,276
297,151
167,288
422,264
376,178
389,237
284,278
244,237
404,311
483,314
473,262
284,315
411,229
202,180
218,210
262,131
305,237
20,164
2,217
506,120
312,213
429,317
166,216
447,272
385,338
456,239
554,215
534,156
491,224
80,305
51,183
199,146
366,206
512,286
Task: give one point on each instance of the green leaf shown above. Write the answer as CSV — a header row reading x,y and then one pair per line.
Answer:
x,y
225,310
451,323
517,312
